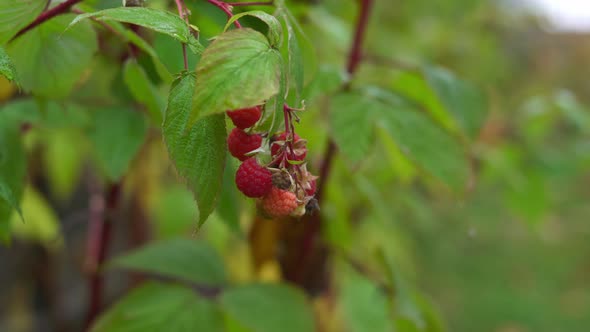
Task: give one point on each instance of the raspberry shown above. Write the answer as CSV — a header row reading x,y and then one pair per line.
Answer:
x,y
239,143
279,203
252,179
299,149
245,117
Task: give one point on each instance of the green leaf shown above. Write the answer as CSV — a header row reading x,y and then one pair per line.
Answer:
x,y
142,89
272,118
530,197
198,152
463,101
268,308
238,69
328,80
12,172
170,53
457,105
155,307
296,70
275,31
300,51
573,110
232,326
117,136
158,20
427,145
135,39
175,212
363,305
434,151
413,85
432,318
15,15
352,122
49,61
229,208
413,312
45,114
187,260
399,163
6,66
63,157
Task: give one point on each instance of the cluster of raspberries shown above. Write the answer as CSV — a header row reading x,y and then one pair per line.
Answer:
x,y
283,185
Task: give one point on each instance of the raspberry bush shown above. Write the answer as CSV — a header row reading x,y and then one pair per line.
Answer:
x,y
259,164
283,182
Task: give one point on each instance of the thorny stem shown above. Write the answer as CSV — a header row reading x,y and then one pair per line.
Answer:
x,y
227,9
312,228
182,13
46,15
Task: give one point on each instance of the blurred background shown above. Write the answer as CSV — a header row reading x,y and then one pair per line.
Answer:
x,y
511,254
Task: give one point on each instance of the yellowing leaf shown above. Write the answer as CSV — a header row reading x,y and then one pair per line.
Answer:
x,y
41,223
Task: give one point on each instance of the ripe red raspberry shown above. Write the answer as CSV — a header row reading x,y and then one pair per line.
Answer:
x,y
239,143
312,189
279,203
245,117
299,149
252,179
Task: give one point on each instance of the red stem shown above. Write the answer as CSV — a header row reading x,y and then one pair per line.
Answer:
x,y
226,9
354,60
59,9
355,54
182,13
99,237
184,56
289,133
313,226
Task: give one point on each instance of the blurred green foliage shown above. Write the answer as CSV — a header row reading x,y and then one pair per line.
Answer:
x,y
465,209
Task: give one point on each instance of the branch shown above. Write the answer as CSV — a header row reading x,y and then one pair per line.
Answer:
x,y
182,13
300,267
99,237
227,9
46,15
354,56
354,60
